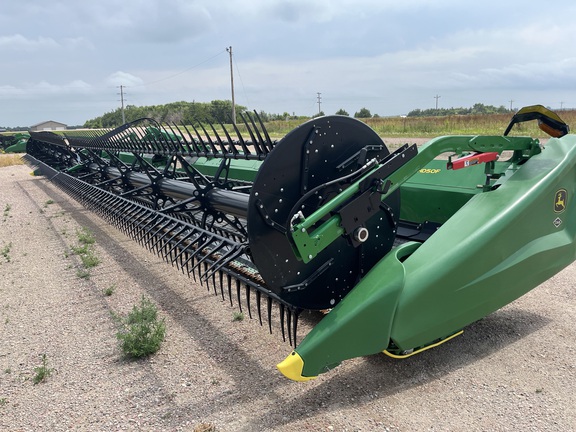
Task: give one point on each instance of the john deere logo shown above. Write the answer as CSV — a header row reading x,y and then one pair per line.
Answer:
x,y
560,201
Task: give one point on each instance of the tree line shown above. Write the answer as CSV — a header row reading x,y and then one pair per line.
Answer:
x,y
475,109
221,110
193,112
176,112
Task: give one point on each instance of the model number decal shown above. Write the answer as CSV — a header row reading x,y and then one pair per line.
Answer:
x,y
429,171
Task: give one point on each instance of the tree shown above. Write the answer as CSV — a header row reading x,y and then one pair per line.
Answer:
x,y
342,112
363,113
175,112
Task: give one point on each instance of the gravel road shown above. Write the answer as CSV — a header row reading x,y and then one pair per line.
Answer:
x,y
512,371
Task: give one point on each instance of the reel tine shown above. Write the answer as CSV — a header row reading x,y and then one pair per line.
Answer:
x,y
252,137
295,326
238,286
224,259
289,324
268,140
258,305
248,301
269,306
229,280
220,142
214,283
260,139
221,277
229,139
204,145
282,311
205,257
210,142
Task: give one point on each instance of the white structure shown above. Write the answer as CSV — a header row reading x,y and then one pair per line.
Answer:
x,y
49,125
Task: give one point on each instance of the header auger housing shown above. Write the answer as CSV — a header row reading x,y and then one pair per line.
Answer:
x,y
403,248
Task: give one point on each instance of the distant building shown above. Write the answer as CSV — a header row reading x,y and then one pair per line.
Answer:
x,y
49,125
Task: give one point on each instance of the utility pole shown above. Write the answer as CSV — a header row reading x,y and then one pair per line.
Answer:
x,y
319,102
229,49
437,97
511,102
122,101
561,105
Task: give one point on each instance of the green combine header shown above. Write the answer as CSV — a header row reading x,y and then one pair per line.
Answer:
x,y
401,250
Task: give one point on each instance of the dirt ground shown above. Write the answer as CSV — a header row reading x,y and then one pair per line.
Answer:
x,y
512,371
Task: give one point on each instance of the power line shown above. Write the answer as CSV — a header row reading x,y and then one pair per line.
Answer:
x,y
182,72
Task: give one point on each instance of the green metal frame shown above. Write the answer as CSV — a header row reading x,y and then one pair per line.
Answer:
x,y
499,245
309,238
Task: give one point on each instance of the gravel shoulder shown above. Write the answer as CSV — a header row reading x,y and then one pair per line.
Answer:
x,y
514,370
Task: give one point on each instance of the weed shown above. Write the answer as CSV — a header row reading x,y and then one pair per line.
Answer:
x,y
237,316
7,371
141,332
89,260
6,251
7,209
85,236
85,252
47,203
80,250
3,401
43,371
110,290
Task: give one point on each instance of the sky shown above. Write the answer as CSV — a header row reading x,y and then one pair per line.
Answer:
x,y
65,60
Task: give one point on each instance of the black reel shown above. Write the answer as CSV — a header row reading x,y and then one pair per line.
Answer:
x,y
301,171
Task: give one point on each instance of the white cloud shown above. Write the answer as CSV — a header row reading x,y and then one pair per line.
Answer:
x,y
119,78
387,55
17,43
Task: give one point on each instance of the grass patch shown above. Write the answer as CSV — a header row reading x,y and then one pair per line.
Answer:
x,y
43,371
7,209
141,332
85,236
237,316
89,260
10,159
6,251
85,250
109,291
